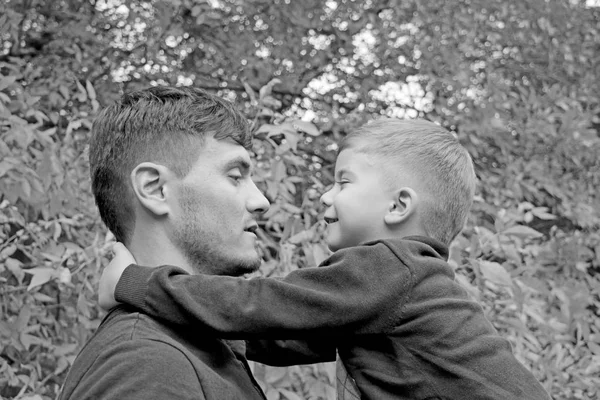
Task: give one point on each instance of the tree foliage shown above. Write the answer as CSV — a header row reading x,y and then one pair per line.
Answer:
x,y
518,81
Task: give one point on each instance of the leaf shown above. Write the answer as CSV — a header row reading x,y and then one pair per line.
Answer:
x,y
65,349
276,375
5,166
82,305
8,251
279,171
33,397
594,347
82,96
43,298
5,330
291,208
41,275
64,275
495,273
7,81
197,10
290,133
266,90
301,237
61,365
289,395
319,253
542,213
306,127
271,102
267,128
4,98
272,394
522,231
14,266
64,91
27,340
23,318
26,187
90,90
464,282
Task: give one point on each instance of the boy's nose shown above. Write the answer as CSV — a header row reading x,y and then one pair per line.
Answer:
x,y
327,198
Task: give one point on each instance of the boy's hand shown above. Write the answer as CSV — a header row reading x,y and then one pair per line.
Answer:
x,y
111,275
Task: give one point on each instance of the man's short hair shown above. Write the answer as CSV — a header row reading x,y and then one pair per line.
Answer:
x,y
165,125
434,156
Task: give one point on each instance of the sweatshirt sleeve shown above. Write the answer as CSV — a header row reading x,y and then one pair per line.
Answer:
x,y
358,290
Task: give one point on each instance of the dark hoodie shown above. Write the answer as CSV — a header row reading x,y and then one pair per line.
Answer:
x,y
403,327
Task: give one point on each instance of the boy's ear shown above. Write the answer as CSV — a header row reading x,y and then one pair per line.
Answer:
x,y
149,181
404,205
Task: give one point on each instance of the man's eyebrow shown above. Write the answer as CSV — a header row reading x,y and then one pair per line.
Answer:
x,y
239,162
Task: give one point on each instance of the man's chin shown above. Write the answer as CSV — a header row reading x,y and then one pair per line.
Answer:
x,y
246,265
223,263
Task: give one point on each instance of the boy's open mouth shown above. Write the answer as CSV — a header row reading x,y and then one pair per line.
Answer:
x,y
330,220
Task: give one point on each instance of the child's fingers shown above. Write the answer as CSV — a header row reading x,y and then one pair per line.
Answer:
x,y
122,254
118,247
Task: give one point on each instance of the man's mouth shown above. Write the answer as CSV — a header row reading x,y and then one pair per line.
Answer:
x,y
330,220
251,228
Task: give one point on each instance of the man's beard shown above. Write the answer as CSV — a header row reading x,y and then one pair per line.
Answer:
x,y
204,259
205,250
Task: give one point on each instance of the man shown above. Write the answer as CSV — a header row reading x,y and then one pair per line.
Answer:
x,y
171,176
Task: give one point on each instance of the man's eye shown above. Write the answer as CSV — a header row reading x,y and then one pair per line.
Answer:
x,y
235,174
236,177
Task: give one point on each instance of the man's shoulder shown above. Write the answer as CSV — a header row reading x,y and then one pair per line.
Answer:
x,y
135,356
126,331
123,324
127,349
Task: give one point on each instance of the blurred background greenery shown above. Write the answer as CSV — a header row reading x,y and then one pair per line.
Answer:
x,y
517,80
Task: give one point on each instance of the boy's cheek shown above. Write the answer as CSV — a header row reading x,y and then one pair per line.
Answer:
x,y
329,235
333,237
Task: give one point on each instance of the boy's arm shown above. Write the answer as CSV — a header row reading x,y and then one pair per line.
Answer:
x,y
359,290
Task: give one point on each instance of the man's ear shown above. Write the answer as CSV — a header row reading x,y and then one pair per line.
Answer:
x,y
403,206
149,182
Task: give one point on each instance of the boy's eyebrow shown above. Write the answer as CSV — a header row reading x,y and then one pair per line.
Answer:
x,y
342,172
239,162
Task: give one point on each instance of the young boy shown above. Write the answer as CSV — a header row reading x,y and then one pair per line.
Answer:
x,y
387,299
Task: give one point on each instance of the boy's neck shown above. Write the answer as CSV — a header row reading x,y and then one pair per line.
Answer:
x,y
408,228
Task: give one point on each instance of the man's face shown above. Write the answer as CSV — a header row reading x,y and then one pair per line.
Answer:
x,y
357,202
213,221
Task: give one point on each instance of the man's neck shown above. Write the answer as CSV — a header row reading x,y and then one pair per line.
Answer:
x,y
153,249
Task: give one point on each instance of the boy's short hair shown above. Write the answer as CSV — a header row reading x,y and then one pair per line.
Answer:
x,y
430,153
165,125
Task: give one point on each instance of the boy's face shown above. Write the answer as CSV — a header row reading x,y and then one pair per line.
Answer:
x,y
357,202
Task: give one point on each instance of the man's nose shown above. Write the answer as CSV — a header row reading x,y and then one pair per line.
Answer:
x,y
257,202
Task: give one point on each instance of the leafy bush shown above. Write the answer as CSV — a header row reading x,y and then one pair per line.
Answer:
x,y
517,81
